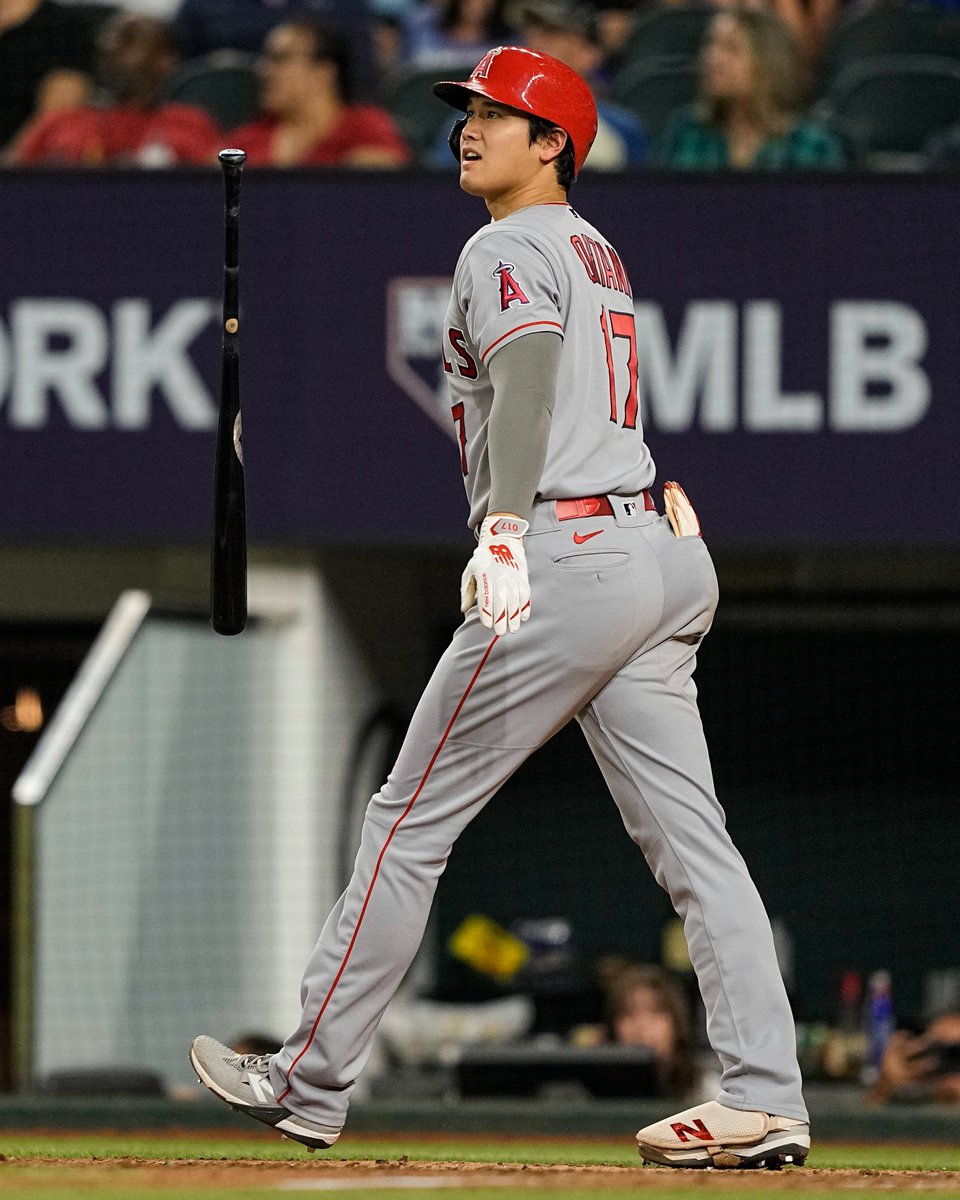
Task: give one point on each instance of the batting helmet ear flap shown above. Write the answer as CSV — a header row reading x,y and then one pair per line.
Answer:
x,y
453,141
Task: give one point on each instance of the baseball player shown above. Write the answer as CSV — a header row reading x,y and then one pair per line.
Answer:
x,y
582,602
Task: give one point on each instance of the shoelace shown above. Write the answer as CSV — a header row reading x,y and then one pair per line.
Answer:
x,y
254,1062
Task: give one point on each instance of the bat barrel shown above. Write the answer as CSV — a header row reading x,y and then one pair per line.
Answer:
x,y
231,163
228,559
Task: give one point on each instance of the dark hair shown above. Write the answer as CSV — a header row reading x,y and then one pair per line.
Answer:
x,y
169,39
620,978
564,162
329,45
779,82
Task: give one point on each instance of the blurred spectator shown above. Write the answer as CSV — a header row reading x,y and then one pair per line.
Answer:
x,y
922,1067
136,56
569,33
309,118
448,30
647,1006
208,25
46,60
387,44
615,21
750,106
813,23
810,23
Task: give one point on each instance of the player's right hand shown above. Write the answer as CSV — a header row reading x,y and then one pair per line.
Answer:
x,y
495,578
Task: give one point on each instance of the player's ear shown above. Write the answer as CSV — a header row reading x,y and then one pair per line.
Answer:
x,y
551,144
453,141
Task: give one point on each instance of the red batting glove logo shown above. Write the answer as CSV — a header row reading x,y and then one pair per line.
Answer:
x,y
503,556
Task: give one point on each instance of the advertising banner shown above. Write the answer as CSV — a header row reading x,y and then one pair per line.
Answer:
x,y
797,349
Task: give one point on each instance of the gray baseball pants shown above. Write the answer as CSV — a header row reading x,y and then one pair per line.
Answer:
x,y
611,641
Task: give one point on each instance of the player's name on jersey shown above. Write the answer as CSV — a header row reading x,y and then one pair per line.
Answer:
x,y
602,263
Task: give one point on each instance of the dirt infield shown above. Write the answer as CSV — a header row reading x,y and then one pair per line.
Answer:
x,y
162,1175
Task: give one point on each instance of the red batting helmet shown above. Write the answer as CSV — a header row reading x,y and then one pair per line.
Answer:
x,y
535,84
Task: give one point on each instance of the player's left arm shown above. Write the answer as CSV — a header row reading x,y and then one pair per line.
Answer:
x,y
524,377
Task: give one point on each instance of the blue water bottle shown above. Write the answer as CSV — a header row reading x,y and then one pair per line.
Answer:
x,y
880,1023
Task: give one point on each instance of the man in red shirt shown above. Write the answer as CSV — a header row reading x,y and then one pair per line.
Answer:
x,y
308,115
136,56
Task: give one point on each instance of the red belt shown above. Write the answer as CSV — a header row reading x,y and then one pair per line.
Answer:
x,y
594,506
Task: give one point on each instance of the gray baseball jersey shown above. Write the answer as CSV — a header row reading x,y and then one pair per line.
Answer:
x,y
619,607
546,269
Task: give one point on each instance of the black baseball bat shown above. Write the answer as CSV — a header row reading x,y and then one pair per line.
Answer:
x,y
228,556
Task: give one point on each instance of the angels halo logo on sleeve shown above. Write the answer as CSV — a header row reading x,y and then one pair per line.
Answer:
x,y
510,291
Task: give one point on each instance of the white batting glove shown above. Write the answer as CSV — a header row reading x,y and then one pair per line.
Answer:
x,y
495,578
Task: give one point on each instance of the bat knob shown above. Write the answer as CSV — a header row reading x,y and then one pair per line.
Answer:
x,y
234,158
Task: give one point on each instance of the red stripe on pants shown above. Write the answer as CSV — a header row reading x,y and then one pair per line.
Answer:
x,y
376,870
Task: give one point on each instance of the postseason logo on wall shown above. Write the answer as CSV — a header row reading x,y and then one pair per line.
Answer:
x,y
415,310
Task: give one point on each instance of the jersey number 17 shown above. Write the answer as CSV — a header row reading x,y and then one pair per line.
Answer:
x,y
615,326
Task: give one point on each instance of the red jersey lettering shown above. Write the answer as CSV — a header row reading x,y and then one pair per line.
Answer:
x,y
585,257
609,275
466,364
602,264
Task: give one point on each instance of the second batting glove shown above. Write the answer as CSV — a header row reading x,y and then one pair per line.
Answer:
x,y
495,578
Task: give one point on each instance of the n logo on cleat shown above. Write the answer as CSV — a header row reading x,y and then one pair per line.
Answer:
x,y
697,1130
260,1087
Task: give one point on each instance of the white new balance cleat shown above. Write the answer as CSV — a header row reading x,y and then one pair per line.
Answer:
x,y
712,1135
243,1081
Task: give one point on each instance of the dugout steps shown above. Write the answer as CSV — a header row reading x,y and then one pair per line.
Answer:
x,y
837,1115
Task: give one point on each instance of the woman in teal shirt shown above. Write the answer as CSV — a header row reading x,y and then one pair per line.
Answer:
x,y
749,114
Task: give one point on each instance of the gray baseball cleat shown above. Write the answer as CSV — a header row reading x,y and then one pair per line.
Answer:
x,y
712,1135
243,1081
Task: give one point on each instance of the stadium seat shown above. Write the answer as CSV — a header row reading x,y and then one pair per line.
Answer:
x,y
653,91
891,105
668,35
224,83
419,114
869,33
